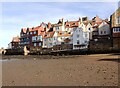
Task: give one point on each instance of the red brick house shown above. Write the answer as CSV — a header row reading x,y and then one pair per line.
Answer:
x,y
24,37
35,36
32,37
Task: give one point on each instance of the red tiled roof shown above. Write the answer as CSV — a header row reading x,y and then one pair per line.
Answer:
x,y
38,28
71,24
96,24
97,19
60,34
49,34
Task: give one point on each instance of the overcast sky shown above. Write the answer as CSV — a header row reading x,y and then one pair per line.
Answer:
x,y
16,15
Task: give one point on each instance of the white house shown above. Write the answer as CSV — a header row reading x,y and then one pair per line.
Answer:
x,y
48,40
80,38
104,28
87,27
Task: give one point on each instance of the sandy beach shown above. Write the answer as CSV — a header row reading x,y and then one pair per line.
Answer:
x,y
77,70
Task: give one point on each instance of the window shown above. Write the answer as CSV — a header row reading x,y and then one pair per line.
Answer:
x,y
101,32
57,28
117,30
34,32
39,44
34,44
89,29
34,38
27,33
113,29
31,33
77,36
85,34
104,32
62,43
78,42
54,43
118,20
50,44
39,38
86,41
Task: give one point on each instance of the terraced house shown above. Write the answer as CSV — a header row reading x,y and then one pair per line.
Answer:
x,y
115,27
69,35
32,37
101,34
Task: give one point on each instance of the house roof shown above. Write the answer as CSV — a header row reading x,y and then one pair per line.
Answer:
x,y
49,34
71,24
24,30
97,19
54,25
61,34
16,39
96,24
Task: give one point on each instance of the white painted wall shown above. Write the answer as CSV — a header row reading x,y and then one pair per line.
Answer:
x,y
79,35
47,42
104,29
10,46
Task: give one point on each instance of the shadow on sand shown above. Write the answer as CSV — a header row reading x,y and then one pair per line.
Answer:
x,y
108,59
118,54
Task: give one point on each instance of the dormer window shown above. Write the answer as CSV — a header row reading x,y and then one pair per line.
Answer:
x,y
89,29
69,32
74,23
31,33
34,32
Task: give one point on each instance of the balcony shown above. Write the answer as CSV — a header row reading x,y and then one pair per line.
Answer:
x,y
37,40
24,43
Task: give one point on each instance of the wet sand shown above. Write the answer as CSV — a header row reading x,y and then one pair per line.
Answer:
x,y
79,70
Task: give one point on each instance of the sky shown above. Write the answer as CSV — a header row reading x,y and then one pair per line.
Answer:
x,y
17,15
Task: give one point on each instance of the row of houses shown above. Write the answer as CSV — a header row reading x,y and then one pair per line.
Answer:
x,y
64,35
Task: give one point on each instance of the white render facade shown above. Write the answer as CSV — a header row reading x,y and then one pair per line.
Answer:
x,y
80,38
104,28
47,43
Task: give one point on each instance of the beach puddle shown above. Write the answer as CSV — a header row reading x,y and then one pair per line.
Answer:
x,y
3,60
6,60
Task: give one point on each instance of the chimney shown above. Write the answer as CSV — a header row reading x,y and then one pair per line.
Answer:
x,y
49,25
79,21
106,20
62,21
